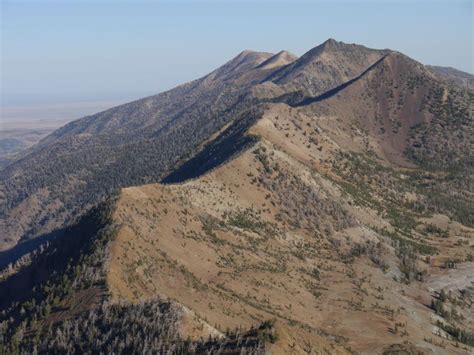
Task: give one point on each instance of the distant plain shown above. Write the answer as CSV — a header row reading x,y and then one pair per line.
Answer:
x,y
22,126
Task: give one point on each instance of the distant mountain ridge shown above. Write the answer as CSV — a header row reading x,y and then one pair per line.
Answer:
x,y
456,76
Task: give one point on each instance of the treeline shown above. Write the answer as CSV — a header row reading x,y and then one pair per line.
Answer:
x,y
148,328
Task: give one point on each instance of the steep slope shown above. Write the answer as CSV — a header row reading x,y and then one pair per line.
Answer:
x,y
326,224
79,164
55,300
325,67
274,234
278,60
404,107
404,114
245,62
334,199
82,162
457,77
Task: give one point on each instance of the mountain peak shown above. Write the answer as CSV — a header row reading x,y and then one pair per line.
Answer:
x,y
325,67
400,63
283,52
280,59
242,63
245,53
330,42
250,55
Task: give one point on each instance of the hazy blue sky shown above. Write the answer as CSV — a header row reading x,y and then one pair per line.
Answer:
x,y
57,51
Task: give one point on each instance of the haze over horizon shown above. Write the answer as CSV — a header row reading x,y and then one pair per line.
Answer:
x,y
57,53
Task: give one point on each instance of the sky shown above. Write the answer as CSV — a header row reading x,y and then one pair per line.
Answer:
x,y
76,51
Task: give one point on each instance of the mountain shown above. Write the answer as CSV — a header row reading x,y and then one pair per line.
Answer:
x,y
456,76
278,60
320,204
330,64
80,163
405,108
